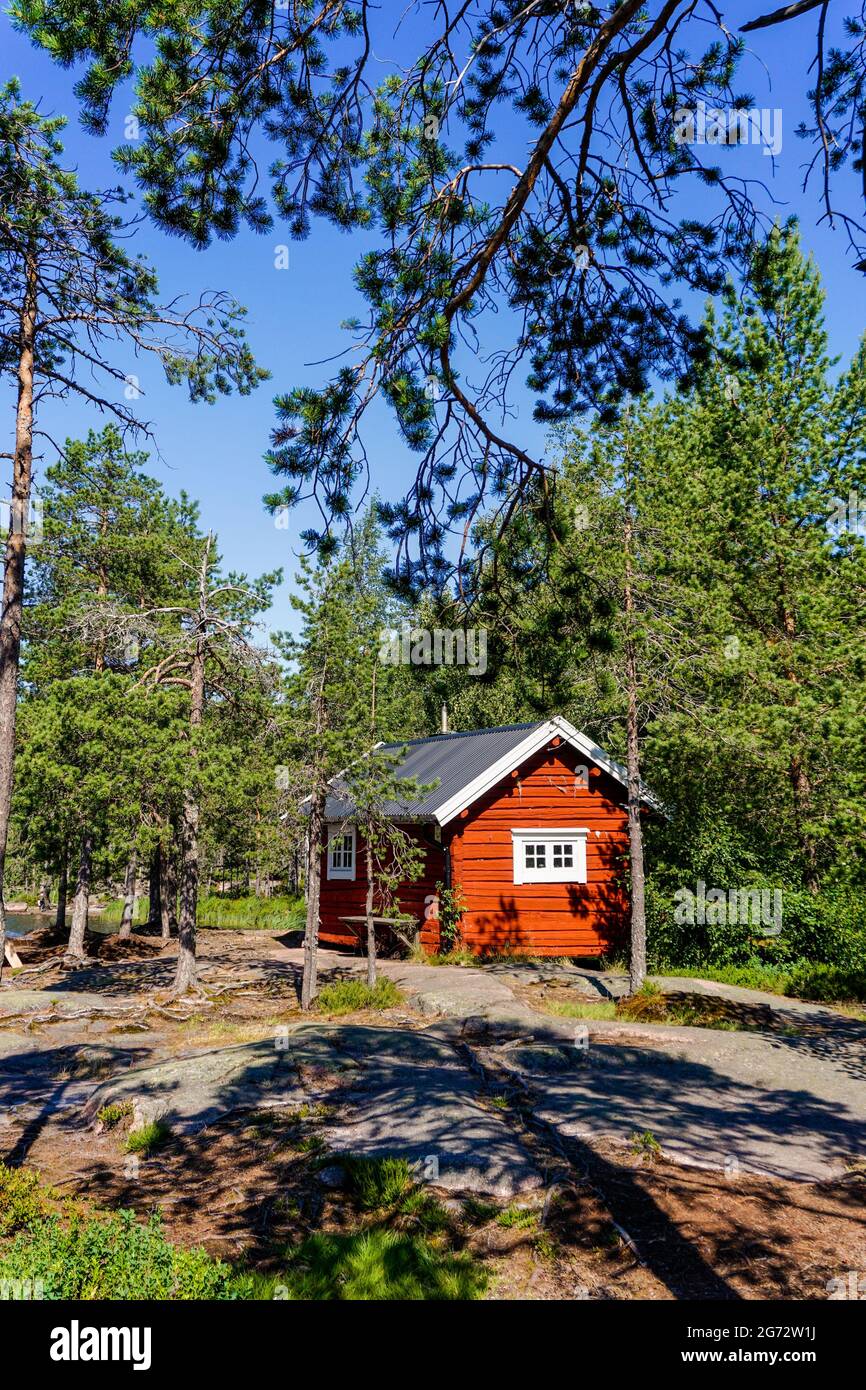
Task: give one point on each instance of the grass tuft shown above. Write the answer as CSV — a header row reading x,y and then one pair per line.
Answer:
x,y
350,996
148,1139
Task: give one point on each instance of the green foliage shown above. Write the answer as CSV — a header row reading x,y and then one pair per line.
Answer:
x,y
23,1203
516,1218
404,1255
827,927
452,905
110,1116
75,1256
646,1145
150,1138
349,996
378,1182
378,1264
826,983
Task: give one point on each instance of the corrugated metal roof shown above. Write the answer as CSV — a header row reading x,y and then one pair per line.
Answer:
x,y
452,761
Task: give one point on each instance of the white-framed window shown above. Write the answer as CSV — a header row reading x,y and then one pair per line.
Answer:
x,y
341,851
549,856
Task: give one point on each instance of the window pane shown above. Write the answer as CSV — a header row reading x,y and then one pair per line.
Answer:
x,y
341,852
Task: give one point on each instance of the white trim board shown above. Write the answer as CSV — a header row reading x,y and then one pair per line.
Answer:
x,y
535,741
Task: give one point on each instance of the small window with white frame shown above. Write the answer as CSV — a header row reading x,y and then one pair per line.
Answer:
x,y
549,856
341,851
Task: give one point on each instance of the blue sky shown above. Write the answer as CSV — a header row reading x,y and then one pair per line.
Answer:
x,y
216,452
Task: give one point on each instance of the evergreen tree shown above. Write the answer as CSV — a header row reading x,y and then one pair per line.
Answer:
x,y
69,295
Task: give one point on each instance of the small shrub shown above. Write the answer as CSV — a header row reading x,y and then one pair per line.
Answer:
x,y
451,909
115,1257
22,1202
110,1116
648,1005
74,1255
826,983
646,1145
545,1247
350,996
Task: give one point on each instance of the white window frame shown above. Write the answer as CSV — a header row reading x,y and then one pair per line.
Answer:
x,y
341,832
569,834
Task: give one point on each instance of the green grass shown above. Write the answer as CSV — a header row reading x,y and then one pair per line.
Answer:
x,y
349,996
457,957
518,1218
379,1182
404,1254
380,1264
652,1005
564,1008
73,1255
148,1139
803,979
220,913
401,1249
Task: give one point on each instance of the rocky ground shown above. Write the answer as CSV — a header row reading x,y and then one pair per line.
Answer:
x,y
642,1160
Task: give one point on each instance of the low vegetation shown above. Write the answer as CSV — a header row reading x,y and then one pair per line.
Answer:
x,y
800,979
148,1138
68,1253
350,996
227,913
110,1116
398,1244
403,1250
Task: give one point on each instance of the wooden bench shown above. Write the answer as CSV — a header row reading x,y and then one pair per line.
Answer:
x,y
393,924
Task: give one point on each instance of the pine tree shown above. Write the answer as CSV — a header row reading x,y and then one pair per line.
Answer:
x,y
69,294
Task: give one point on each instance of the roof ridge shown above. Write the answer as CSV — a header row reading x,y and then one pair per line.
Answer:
x,y
463,733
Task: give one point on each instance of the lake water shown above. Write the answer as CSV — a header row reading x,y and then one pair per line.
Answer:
x,y
20,923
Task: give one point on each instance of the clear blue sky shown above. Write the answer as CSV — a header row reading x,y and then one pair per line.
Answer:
x,y
216,452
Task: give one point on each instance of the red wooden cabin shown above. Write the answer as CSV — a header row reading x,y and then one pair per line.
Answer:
x,y
529,822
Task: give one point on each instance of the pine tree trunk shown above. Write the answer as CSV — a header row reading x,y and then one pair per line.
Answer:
x,y
802,793
153,891
62,890
75,951
164,894
637,963
314,885
129,896
371,925
186,979
171,877
13,569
